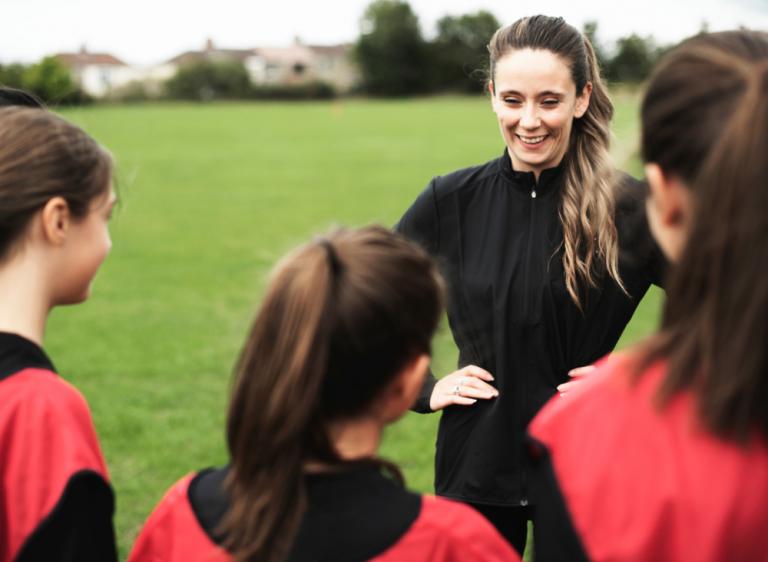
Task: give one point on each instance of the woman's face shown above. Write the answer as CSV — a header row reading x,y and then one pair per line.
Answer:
x,y
535,101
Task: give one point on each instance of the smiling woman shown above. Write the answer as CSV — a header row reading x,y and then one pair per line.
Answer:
x,y
536,114
547,254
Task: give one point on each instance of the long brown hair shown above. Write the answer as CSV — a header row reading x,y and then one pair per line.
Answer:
x,y
43,156
705,121
340,318
590,242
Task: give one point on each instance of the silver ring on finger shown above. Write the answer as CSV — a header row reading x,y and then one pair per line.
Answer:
x,y
457,390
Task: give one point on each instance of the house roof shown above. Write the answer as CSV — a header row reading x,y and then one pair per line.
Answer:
x,y
83,58
296,53
190,57
285,55
331,50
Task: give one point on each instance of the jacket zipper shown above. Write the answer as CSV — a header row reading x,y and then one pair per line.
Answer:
x,y
531,229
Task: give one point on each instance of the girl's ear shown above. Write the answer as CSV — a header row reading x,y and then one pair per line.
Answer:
x,y
669,210
56,219
668,196
582,101
401,393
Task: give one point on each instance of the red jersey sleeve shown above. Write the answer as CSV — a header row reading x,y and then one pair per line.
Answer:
x,y
46,437
173,534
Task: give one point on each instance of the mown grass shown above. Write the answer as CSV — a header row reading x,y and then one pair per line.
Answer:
x,y
211,196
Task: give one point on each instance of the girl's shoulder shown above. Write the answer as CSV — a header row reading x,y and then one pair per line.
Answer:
x,y
446,530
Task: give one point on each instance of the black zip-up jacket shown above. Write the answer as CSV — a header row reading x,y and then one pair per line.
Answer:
x,y
498,239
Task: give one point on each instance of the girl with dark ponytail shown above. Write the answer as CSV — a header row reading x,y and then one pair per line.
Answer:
x,y
547,254
677,428
338,349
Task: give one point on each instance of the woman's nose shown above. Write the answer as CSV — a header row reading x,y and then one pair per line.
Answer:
x,y
530,118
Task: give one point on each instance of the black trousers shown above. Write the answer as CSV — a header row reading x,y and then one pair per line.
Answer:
x,y
511,522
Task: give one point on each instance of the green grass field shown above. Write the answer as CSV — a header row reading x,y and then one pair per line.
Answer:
x,y
211,196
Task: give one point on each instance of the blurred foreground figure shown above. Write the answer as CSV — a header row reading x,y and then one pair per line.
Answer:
x,y
662,454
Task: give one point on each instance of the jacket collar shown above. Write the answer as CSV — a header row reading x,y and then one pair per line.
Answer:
x,y
550,180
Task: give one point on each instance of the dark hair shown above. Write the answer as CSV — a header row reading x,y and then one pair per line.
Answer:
x,y
340,318
14,97
705,121
43,156
590,241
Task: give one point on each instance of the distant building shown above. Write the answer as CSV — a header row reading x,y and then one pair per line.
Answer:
x,y
285,66
97,73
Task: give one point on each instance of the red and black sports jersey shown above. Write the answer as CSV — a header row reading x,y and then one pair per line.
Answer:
x,y
55,501
351,516
620,479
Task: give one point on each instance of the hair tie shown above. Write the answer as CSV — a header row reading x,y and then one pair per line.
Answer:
x,y
333,258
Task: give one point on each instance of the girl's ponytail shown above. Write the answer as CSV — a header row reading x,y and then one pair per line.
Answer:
x,y
275,403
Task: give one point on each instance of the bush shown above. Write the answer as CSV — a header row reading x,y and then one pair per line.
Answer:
x,y
206,81
310,91
132,92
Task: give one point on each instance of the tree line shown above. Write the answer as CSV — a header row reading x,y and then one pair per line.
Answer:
x,y
392,55
395,59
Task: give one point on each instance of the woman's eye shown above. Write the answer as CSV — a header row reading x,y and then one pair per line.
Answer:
x,y
512,101
550,102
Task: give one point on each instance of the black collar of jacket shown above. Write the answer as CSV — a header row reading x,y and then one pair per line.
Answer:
x,y
18,353
550,179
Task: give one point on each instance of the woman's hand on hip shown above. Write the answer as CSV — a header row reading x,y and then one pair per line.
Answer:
x,y
463,387
577,377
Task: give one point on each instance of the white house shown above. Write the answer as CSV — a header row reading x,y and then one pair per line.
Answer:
x,y
285,66
98,73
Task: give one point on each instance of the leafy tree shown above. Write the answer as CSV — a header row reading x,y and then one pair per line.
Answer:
x,y
52,82
634,59
391,52
210,80
460,51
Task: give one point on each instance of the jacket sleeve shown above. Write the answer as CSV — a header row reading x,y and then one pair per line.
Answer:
x,y
420,223
56,487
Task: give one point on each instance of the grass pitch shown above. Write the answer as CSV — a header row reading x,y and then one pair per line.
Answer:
x,y
211,196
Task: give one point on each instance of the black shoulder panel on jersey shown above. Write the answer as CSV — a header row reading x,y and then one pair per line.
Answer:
x,y
79,529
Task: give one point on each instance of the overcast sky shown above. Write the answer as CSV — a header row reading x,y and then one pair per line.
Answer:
x,y
145,32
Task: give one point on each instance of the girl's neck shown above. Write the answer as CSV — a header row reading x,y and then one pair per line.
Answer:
x,y
353,440
356,439
24,302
